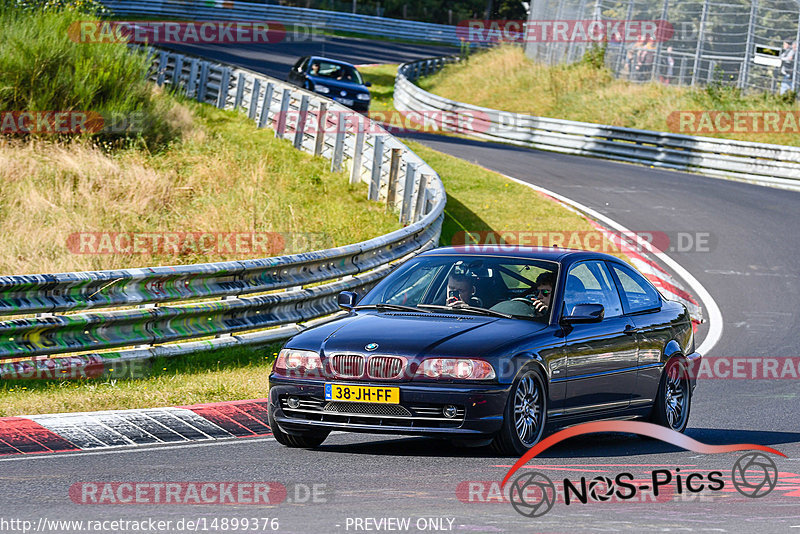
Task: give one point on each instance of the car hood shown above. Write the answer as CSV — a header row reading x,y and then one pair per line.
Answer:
x,y
417,335
338,84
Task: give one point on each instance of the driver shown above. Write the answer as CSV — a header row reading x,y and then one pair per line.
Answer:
x,y
542,296
461,291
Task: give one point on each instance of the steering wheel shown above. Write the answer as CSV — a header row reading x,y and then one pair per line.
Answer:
x,y
530,303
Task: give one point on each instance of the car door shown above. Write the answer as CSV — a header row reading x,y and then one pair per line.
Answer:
x,y
643,306
295,74
601,357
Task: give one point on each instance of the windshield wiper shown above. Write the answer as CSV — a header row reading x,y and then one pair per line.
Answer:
x,y
395,307
473,309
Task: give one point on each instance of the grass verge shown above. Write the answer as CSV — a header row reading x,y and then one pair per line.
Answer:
x,y
581,92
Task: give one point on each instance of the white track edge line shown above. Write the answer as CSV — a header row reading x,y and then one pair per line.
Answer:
x,y
714,313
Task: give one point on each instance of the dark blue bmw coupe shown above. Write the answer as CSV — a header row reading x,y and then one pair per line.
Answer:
x,y
334,79
485,347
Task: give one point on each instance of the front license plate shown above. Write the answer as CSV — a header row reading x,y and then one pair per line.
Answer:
x,y
375,394
345,101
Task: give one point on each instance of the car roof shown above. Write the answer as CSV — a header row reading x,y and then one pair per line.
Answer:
x,y
561,255
329,60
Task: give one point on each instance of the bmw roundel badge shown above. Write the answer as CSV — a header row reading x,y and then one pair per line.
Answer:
x,y
371,346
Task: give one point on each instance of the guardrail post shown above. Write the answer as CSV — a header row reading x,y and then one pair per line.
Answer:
x,y
266,104
338,144
192,79
711,66
224,86
423,184
239,90
280,124
394,170
377,163
201,92
301,123
322,121
355,173
163,57
177,71
251,112
408,189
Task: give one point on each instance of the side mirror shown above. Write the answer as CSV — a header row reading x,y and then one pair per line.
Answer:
x,y
368,84
347,300
585,313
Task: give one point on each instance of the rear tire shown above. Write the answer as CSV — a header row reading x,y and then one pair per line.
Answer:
x,y
302,441
525,415
674,399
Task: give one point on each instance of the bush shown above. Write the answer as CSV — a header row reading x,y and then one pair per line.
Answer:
x,y
42,69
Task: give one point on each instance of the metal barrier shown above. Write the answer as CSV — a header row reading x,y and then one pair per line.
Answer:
x,y
765,164
251,295
292,16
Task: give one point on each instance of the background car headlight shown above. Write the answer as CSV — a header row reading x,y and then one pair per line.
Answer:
x,y
298,363
363,96
322,89
460,368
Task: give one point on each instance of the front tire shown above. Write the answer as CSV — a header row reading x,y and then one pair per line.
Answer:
x,y
674,399
525,415
304,441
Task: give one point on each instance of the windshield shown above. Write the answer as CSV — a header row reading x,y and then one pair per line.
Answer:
x,y
517,287
336,71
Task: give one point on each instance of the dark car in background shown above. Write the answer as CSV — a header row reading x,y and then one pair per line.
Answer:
x,y
334,79
489,347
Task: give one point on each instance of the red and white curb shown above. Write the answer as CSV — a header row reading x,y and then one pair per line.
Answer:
x,y
124,428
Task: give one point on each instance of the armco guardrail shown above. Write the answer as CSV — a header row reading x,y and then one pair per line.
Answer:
x,y
291,16
172,303
774,165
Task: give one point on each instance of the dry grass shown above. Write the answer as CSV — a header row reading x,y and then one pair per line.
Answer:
x,y
510,81
223,176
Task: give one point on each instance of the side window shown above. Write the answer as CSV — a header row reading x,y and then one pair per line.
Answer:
x,y
589,282
639,294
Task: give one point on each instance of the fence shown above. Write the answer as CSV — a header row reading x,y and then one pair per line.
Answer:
x,y
774,165
230,302
728,42
319,19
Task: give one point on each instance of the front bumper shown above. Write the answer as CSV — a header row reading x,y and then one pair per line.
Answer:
x,y
479,409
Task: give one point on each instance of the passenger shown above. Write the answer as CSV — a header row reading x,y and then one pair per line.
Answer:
x,y
461,292
542,295
315,69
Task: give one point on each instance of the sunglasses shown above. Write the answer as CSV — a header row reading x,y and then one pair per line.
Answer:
x,y
545,292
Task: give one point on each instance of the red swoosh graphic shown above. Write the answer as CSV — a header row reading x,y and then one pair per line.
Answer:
x,y
633,427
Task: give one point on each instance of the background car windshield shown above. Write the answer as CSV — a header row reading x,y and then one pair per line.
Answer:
x,y
424,280
336,71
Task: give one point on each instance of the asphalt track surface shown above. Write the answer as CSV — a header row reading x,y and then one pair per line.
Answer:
x,y
750,270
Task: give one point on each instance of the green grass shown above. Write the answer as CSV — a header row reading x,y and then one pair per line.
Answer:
x,y
224,175
582,92
42,69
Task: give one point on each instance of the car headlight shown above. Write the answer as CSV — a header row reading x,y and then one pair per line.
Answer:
x,y
363,96
322,89
459,368
298,363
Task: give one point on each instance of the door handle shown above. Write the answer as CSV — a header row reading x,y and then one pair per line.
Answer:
x,y
630,329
